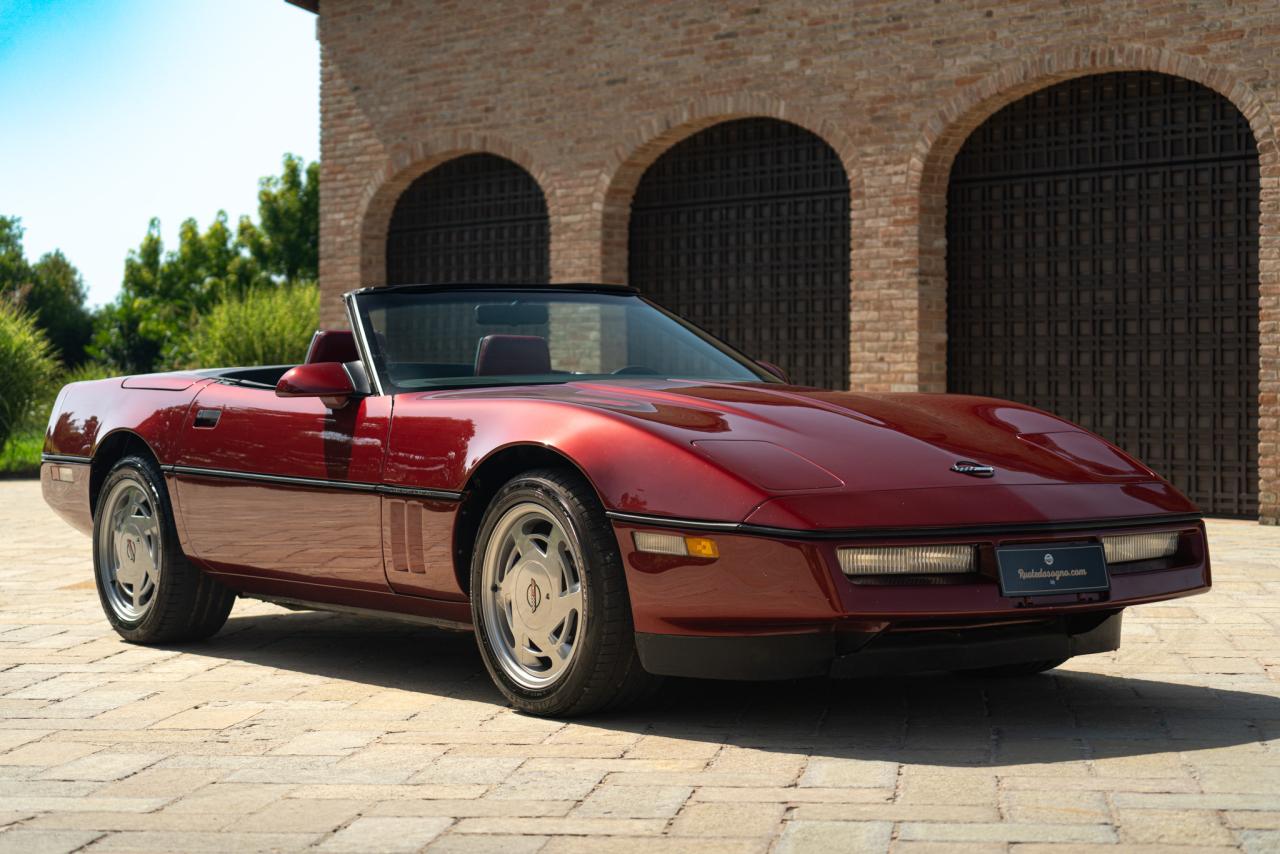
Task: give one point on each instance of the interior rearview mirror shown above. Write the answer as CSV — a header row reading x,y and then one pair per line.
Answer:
x,y
511,314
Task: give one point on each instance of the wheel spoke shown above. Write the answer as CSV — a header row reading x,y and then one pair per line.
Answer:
x,y
565,604
525,545
524,654
506,587
150,579
118,515
508,619
557,654
556,544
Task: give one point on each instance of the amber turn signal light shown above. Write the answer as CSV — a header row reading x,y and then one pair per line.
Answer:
x,y
674,544
701,547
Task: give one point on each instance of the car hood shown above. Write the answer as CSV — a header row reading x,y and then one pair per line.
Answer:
x,y
789,439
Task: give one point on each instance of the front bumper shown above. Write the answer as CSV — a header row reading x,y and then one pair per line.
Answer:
x,y
890,652
764,587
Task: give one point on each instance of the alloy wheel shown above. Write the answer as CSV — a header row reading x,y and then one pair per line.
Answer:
x,y
129,551
532,597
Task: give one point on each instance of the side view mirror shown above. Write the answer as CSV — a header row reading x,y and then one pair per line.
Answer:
x,y
326,380
774,369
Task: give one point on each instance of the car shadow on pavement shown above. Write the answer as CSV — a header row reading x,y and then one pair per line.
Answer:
x,y
933,719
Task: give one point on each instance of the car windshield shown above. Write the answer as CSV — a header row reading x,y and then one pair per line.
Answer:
x,y
490,337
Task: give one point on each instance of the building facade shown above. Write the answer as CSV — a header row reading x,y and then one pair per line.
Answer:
x,y
1075,205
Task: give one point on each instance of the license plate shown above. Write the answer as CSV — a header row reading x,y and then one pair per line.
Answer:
x,y
1041,570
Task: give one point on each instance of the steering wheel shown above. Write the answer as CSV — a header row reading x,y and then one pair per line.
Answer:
x,y
635,369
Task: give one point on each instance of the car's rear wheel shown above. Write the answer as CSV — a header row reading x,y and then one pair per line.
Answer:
x,y
149,591
549,599
1022,668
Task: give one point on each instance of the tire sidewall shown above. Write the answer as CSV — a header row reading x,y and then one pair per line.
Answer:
x,y
136,470
550,496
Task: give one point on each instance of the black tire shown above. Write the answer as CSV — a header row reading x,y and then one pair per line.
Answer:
x,y
185,604
1021,668
605,672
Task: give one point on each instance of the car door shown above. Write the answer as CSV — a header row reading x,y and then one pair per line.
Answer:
x,y
284,487
426,454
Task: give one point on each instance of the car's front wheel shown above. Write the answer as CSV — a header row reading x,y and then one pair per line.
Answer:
x,y
549,599
149,590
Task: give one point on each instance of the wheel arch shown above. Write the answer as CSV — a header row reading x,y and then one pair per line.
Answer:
x,y
114,447
483,483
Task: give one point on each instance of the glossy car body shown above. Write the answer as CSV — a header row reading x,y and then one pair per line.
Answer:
x,y
373,505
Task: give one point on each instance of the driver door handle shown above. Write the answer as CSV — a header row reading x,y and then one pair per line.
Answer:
x,y
206,419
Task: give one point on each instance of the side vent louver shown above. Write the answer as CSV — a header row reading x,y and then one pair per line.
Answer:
x,y
399,558
406,536
413,533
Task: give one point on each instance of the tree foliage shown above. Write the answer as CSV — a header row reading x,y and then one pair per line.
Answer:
x,y
15,272
51,290
166,293
57,300
286,243
27,367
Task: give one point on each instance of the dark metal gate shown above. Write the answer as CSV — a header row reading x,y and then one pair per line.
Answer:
x,y
1102,261
477,219
744,229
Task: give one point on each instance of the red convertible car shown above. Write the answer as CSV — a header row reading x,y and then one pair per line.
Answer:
x,y
606,494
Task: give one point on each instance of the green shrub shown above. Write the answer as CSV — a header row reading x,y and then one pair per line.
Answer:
x,y
27,369
21,455
269,326
88,371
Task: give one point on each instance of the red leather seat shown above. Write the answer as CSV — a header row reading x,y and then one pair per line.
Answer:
x,y
504,355
332,345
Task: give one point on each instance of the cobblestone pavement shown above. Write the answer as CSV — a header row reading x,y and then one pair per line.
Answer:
x,y
292,730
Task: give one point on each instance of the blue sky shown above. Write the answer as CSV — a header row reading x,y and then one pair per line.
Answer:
x,y
115,111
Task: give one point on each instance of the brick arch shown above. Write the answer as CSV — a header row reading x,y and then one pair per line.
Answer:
x,y
637,151
406,163
948,128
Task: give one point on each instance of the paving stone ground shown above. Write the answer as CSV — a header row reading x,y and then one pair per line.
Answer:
x,y
291,731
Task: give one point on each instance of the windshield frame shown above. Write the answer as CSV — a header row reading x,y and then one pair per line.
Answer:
x,y
357,316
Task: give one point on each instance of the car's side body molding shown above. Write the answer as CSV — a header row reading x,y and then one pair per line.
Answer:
x,y
65,458
315,483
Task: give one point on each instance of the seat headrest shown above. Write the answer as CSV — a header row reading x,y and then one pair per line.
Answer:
x,y
500,355
333,345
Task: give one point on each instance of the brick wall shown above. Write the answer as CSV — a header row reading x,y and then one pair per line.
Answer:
x,y
586,95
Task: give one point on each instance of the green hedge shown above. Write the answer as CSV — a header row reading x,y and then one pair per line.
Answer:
x,y
265,327
27,370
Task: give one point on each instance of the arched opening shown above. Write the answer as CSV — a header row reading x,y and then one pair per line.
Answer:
x,y
1102,263
744,229
475,219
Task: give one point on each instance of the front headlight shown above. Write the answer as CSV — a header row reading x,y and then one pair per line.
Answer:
x,y
907,560
1124,548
